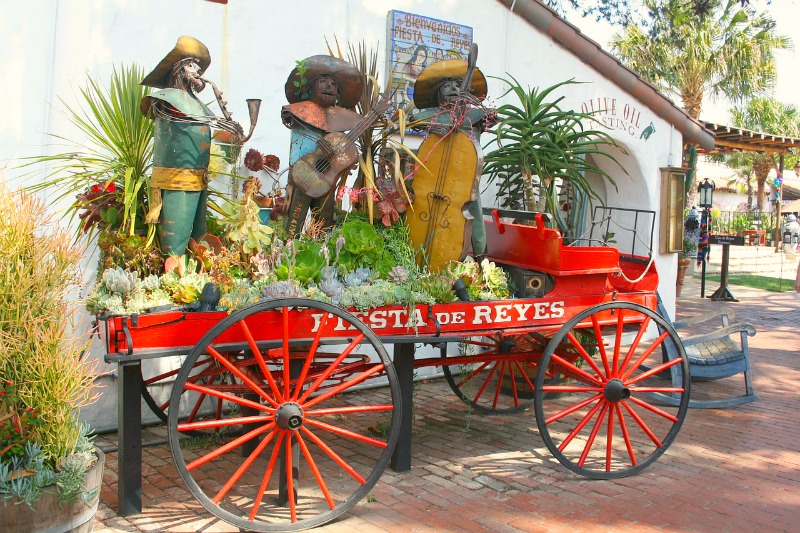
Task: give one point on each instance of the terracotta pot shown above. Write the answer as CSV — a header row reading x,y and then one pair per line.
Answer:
x,y
683,266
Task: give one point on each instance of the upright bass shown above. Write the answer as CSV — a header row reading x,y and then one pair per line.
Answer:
x,y
446,182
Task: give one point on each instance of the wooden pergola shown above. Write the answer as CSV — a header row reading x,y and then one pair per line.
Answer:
x,y
735,139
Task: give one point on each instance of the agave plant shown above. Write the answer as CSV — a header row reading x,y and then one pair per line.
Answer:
x,y
539,146
106,171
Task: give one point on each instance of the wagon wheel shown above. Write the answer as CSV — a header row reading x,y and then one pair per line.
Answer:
x,y
601,423
158,376
312,441
495,374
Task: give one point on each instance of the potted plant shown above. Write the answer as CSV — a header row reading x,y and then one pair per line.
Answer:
x,y
539,147
50,474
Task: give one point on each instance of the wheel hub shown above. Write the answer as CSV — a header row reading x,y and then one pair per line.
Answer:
x,y
289,416
506,345
616,391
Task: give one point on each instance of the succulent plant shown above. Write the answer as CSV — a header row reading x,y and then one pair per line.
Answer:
x,y
331,287
282,289
494,279
353,280
188,288
439,287
329,273
315,293
151,283
398,275
120,281
169,280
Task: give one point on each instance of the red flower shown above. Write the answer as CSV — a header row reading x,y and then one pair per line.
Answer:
x,y
95,188
111,187
253,160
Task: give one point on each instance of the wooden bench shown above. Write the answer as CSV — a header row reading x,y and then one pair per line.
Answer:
x,y
722,352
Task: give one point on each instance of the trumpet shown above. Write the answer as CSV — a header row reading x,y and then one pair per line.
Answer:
x,y
227,123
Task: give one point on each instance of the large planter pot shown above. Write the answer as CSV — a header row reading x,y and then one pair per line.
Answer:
x,y
47,515
683,266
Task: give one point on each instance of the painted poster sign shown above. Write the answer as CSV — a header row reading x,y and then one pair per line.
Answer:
x,y
618,116
416,42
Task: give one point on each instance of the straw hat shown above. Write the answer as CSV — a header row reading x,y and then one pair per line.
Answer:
x,y
347,76
427,83
185,47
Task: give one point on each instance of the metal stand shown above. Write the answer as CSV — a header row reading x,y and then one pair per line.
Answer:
x,y
129,458
722,293
404,365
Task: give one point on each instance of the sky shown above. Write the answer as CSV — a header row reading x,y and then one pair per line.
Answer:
x,y
786,14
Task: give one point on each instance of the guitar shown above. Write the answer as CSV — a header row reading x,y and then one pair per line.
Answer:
x,y
316,173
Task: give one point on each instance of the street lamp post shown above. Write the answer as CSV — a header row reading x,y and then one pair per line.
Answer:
x,y
705,193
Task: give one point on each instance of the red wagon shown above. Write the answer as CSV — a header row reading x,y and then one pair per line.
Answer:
x,y
306,401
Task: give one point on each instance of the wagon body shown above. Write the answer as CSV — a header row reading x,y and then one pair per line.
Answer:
x,y
292,382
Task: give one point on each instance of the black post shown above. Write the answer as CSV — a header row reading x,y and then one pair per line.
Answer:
x,y
703,279
723,293
404,366
129,456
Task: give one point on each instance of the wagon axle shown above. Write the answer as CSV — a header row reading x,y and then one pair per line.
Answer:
x,y
615,391
289,416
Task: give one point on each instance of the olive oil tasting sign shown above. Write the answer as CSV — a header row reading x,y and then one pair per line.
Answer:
x,y
618,116
414,42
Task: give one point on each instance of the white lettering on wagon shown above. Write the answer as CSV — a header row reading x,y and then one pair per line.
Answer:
x,y
477,315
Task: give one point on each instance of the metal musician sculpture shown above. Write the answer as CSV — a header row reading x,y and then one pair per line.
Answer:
x,y
182,143
321,92
447,199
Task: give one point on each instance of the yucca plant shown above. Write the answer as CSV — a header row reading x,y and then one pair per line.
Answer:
x,y
104,170
539,146
44,378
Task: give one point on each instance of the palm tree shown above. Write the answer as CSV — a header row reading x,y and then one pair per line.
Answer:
x,y
725,50
770,116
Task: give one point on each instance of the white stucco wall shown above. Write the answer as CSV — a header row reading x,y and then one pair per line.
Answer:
x,y
47,47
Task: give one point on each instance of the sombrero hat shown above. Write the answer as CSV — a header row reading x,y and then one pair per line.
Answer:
x,y
185,47
349,78
426,85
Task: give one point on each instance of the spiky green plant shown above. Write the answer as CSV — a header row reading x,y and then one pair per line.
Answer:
x,y
40,350
538,145
114,145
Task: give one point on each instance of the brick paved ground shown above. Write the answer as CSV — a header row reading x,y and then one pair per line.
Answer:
x,y
728,470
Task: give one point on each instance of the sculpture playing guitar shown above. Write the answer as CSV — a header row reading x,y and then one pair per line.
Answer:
x,y
317,172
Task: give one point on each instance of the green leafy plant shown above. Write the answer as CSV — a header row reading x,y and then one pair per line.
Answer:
x,y
46,379
107,170
303,262
539,146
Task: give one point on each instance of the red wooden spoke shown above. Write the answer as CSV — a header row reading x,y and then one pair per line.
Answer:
x,y
222,450
575,370
577,407
286,377
642,425
208,424
618,338
513,379
192,379
333,455
198,402
314,470
650,349
262,489
598,334
241,375
172,373
290,474
634,345
593,435
571,388
610,435
347,433
524,375
243,468
499,383
310,357
347,410
328,371
577,429
654,409
474,373
344,386
229,397
585,355
485,384
625,435
654,370
261,362
657,389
